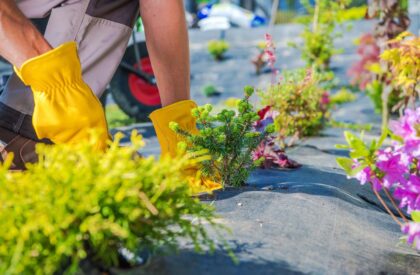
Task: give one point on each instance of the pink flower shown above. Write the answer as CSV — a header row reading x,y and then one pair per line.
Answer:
x,y
393,169
409,193
406,127
325,99
269,40
369,53
412,229
368,176
364,175
270,50
273,156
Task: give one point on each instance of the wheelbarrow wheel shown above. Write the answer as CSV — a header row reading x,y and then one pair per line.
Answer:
x,y
134,95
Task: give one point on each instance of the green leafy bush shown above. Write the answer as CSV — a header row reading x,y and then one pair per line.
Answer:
x,y
78,204
348,14
319,32
210,90
217,48
375,91
229,137
403,58
351,126
300,101
117,118
352,14
285,16
393,169
392,20
341,97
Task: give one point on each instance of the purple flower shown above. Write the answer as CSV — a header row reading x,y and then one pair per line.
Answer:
x,y
364,175
412,148
367,175
392,167
412,229
406,126
409,193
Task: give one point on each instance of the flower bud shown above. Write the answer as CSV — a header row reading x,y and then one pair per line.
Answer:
x,y
195,112
249,90
174,126
208,107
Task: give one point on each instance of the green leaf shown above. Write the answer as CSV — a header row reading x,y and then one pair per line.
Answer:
x,y
357,145
356,170
341,146
346,164
373,146
384,135
415,215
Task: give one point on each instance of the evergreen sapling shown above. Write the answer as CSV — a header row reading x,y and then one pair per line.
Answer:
x,y
230,139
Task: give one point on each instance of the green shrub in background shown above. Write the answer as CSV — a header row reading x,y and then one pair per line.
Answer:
x,y
375,91
210,90
301,102
341,97
116,117
79,204
348,14
285,16
229,137
217,48
319,32
352,14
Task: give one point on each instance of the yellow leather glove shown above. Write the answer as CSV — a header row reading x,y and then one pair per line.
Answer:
x,y
180,112
66,110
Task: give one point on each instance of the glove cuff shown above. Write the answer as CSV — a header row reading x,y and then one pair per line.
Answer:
x,y
57,68
171,112
180,113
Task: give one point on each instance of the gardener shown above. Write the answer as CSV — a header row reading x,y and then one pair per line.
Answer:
x,y
53,95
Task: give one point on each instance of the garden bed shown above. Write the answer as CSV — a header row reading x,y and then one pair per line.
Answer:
x,y
310,220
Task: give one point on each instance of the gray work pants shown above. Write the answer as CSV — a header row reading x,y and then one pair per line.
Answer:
x,y
101,28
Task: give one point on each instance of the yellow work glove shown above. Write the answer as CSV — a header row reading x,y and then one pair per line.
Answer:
x,y
180,113
66,110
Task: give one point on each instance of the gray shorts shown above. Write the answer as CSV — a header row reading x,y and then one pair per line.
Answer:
x,y
101,29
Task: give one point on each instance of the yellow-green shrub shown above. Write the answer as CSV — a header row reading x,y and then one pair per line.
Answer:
x,y
217,48
319,32
76,204
300,101
351,14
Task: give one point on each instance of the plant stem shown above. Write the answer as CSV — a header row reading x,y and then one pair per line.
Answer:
x,y
395,205
386,207
316,16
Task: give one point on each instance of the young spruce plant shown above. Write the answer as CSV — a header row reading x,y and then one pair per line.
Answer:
x,y
230,138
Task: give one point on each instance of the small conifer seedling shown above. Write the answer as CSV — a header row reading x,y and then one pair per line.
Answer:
x,y
229,137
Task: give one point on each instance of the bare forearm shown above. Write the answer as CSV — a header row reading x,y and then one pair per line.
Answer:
x,y
20,40
167,40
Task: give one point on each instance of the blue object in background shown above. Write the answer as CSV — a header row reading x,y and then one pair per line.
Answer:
x,y
236,15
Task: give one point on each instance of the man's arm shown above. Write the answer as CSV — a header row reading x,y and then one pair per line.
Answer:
x,y
20,40
167,40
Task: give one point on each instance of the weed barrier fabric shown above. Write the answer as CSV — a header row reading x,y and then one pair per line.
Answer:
x,y
314,221
311,220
